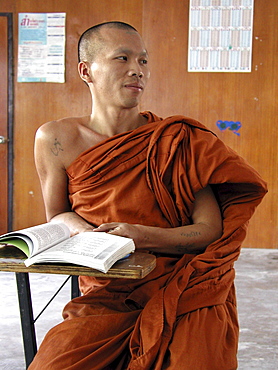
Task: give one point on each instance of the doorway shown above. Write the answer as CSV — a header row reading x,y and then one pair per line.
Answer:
x,y
6,122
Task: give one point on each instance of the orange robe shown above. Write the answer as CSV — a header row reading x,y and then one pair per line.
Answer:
x,y
183,314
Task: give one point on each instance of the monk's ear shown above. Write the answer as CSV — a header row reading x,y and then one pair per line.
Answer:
x,y
84,71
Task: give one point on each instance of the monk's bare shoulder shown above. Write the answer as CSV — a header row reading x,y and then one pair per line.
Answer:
x,y
66,138
67,127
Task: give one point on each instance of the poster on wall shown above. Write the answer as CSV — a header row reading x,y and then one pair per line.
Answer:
x,y
41,47
220,35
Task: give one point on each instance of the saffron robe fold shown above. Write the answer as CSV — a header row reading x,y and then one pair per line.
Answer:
x,y
183,314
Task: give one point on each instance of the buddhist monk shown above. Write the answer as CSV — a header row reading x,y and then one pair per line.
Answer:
x,y
173,187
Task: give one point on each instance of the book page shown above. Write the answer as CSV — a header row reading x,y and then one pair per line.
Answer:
x,y
40,237
46,235
97,250
92,245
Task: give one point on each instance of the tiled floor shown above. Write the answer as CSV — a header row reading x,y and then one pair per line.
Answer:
x,y
257,291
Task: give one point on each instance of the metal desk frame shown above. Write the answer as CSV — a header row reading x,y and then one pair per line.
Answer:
x,y
136,266
26,311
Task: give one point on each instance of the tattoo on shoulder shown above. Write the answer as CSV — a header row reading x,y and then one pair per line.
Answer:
x,y
57,147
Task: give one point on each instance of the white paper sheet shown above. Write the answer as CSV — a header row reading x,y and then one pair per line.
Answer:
x,y
220,35
41,47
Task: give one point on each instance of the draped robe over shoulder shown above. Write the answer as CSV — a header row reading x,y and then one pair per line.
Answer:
x,y
183,314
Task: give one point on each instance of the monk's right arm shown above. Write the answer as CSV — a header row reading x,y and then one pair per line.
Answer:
x,y
75,223
50,159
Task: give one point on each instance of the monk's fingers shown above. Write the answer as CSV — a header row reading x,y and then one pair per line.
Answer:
x,y
115,231
104,227
120,229
109,227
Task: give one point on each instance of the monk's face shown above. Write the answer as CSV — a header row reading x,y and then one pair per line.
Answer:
x,y
119,71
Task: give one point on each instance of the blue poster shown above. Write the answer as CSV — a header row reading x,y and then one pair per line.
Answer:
x,y
41,47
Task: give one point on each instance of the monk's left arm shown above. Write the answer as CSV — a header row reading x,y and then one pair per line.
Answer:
x,y
205,229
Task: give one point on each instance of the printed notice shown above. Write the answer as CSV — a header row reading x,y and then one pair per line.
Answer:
x,y
220,35
41,47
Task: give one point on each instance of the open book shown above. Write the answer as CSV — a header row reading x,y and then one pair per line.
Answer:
x,y
51,243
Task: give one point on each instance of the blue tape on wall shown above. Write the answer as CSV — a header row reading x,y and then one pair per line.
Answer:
x,y
229,125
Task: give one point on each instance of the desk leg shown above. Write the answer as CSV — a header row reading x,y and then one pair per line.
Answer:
x,y
26,314
75,292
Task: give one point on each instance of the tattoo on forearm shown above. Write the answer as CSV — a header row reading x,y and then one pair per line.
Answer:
x,y
182,248
192,234
186,247
57,147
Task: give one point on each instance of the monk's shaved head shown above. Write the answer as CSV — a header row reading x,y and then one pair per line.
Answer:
x,y
91,40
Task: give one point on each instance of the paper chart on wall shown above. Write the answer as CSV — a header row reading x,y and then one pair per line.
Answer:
x,y
220,35
41,47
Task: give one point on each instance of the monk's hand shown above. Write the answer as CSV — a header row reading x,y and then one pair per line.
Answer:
x,y
124,229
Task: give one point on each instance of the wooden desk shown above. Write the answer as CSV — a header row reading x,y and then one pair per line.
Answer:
x,y
136,266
